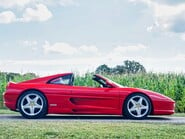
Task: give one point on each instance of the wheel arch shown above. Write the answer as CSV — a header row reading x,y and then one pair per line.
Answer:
x,y
31,89
152,107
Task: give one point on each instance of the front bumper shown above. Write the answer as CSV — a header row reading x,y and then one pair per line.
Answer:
x,y
164,107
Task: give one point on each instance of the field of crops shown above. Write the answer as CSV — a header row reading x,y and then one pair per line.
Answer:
x,y
171,84
15,77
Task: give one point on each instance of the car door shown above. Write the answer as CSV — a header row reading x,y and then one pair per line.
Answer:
x,y
58,91
94,100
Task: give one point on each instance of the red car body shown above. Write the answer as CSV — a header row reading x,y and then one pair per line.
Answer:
x,y
69,99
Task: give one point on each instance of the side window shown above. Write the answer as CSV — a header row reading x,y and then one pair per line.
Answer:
x,y
62,80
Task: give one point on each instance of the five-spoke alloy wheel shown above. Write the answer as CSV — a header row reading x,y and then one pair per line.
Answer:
x,y
32,104
137,106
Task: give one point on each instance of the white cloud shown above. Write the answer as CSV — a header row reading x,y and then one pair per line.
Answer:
x,y
88,49
33,45
129,48
59,47
63,3
183,36
40,13
29,43
7,17
167,17
180,57
124,52
23,3
150,28
67,49
14,3
91,53
67,2
33,10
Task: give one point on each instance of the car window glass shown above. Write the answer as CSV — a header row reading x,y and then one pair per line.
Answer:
x,y
62,80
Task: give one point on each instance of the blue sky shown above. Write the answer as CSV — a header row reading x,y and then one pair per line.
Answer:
x,y
49,36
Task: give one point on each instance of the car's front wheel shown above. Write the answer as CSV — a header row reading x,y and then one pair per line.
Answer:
x,y
137,106
32,104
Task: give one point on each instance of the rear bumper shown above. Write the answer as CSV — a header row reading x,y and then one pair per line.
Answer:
x,y
10,100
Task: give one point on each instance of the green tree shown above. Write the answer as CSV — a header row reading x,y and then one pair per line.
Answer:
x,y
133,67
103,69
119,69
127,67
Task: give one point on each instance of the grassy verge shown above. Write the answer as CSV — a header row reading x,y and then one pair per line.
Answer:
x,y
179,114
6,111
57,130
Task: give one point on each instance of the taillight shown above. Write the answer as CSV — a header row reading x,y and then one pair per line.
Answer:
x,y
7,85
10,85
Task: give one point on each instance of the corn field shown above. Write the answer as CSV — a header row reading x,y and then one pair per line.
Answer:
x,y
171,84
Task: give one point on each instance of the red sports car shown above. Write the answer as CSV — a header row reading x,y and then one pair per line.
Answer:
x,y
56,95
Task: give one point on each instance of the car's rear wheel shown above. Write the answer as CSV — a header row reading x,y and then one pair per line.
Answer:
x,y
32,104
137,106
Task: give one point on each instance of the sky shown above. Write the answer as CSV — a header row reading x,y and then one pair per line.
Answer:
x,y
55,36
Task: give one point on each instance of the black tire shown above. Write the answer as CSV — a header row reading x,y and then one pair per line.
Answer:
x,y
41,102
132,112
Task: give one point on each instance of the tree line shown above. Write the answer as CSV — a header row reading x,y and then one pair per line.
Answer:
x,y
128,67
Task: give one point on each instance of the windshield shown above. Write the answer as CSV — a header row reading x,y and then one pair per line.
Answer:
x,y
105,82
112,82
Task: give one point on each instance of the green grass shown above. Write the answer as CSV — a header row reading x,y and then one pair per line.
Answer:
x,y
179,115
7,111
85,130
